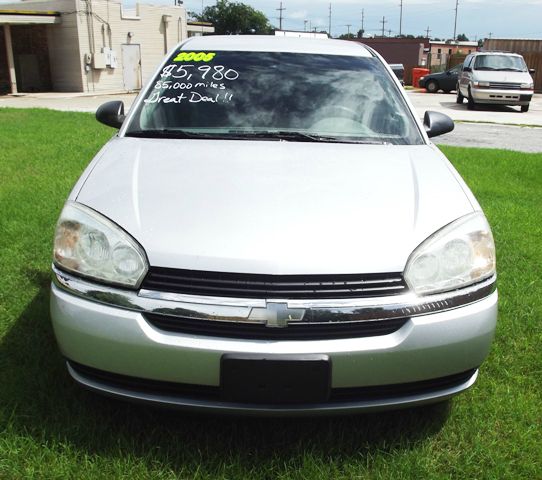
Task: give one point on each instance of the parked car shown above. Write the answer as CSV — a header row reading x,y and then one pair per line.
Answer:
x,y
445,81
497,78
399,70
271,231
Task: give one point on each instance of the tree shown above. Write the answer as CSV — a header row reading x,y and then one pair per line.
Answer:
x,y
347,36
462,38
230,18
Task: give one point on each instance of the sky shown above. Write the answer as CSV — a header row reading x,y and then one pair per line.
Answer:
x,y
476,18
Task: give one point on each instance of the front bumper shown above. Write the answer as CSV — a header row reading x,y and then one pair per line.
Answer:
x,y
113,347
502,97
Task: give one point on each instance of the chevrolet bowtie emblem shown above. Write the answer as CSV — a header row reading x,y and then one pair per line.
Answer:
x,y
276,315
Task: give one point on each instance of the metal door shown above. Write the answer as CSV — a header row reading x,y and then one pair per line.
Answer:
x,y
131,66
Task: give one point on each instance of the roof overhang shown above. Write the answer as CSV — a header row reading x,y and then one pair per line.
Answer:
x,y
29,17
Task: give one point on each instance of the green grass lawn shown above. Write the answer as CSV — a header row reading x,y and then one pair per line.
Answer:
x,y
49,428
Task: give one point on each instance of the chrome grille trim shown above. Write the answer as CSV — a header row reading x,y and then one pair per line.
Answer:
x,y
505,86
246,310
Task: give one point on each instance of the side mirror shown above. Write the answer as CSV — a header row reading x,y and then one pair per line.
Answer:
x,y
437,123
467,69
532,71
111,114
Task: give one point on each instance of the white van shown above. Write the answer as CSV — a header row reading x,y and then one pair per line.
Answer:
x,y
496,78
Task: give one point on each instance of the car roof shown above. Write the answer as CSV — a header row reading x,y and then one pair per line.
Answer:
x,y
496,53
270,43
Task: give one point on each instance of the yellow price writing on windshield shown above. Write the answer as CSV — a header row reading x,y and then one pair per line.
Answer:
x,y
194,57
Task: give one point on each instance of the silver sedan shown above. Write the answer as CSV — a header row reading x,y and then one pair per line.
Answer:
x,y
272,232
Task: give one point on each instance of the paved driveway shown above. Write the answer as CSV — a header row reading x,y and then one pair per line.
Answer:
x,y
445,103
495,132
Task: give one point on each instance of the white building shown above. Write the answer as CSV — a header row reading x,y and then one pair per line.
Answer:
x,y
86,45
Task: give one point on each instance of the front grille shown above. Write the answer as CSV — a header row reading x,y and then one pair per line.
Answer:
x,y
212,393
505,86
294,331
249,285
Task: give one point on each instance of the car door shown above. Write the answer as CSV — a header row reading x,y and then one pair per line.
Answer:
x,y
464,76
449,81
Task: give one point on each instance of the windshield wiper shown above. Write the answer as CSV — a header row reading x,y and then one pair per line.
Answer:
x,y
301,137
485,68
509,69
238,135
173,133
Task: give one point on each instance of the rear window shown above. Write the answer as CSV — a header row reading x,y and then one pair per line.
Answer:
x,y
232,94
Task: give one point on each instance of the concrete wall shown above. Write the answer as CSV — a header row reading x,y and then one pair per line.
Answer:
x,y
111,26
64,57
88,27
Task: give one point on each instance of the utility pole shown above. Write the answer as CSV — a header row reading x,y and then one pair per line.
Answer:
x,y
389,32
305,25
280,10
329,26
427,32
348,26
455,23
401,20
383,22
362,21
490,33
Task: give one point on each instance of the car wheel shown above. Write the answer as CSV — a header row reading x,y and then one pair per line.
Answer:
x,y
459,99
525,108
431,86
470,101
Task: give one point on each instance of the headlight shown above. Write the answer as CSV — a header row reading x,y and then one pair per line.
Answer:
x,y
527,86
421,78
89,244
460,254
481,84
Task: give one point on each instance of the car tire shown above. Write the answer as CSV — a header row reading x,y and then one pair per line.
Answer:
x,y
431,86
459,99
525,108
470,102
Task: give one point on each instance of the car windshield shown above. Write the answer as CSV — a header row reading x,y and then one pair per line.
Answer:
x,y
270,95
500,62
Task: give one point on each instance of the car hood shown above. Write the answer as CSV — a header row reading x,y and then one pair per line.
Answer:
x,y
274,207
502,76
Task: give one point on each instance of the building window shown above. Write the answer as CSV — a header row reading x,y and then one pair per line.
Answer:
x,y
439,50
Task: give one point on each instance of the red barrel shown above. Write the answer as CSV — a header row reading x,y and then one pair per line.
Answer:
x,y
417,73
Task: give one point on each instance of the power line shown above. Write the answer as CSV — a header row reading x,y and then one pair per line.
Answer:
x,y
329,27
401,19
280,10
455,22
